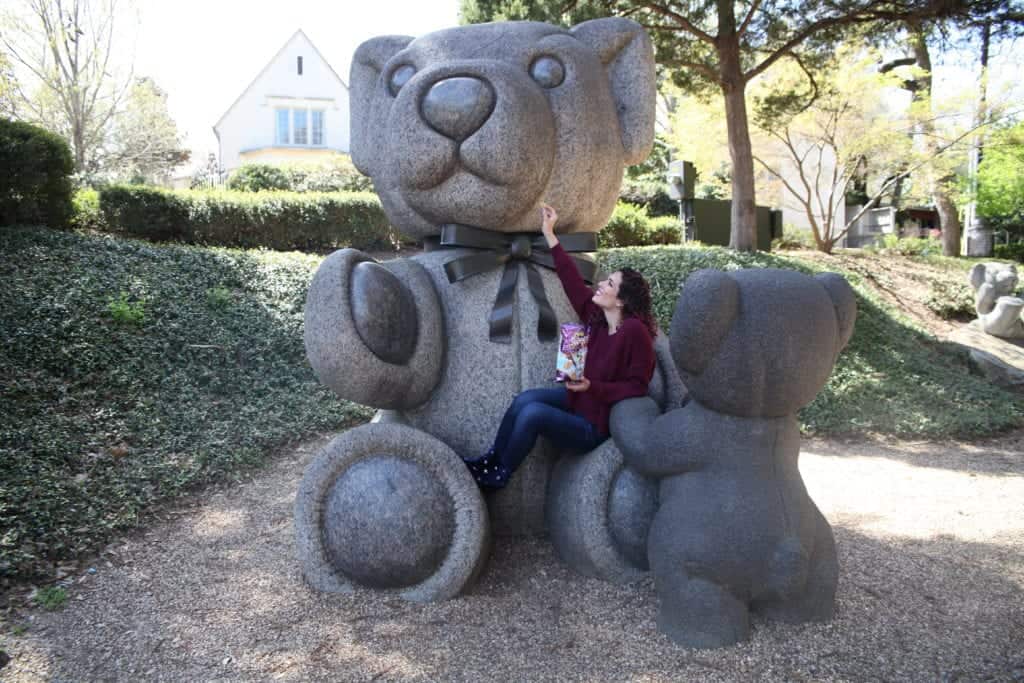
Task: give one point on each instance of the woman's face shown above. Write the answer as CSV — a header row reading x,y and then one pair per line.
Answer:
x,y
607,293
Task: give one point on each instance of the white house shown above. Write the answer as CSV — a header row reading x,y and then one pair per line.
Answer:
x,y
295,110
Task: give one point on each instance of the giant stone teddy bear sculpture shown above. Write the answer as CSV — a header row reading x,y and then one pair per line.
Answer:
x,y
465,132
735,530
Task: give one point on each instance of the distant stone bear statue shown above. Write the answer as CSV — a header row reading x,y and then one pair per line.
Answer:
x,y
999,312
465,133
734,529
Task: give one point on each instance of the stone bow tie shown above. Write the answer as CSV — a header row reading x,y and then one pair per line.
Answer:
x,y
499,248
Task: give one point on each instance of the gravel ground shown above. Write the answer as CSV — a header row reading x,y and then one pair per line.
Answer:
x,y
930,538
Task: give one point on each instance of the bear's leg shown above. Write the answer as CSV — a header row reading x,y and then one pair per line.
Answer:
x,y
816,602
696,612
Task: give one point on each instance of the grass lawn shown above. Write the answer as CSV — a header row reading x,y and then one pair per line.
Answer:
x,y
133,372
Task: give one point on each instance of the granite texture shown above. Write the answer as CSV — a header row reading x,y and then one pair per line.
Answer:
x,y
472,124
735,530
388,506
388,522
476,125
337,329
599,511
598,515
999,313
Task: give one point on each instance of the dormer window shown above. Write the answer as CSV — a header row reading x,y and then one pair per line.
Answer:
x,y
299,63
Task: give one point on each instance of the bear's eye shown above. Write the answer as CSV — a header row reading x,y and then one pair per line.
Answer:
x,y
547,71
400,77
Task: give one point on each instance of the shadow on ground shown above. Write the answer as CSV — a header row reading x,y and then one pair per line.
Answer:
x,y
999,456
217,595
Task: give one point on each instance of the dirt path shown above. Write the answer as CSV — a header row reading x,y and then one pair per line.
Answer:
x,y
931,544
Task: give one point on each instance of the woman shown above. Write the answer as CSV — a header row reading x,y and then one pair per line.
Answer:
x,y
619,364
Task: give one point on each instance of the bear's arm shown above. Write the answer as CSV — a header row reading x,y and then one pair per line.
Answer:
x,y
575,287
655,444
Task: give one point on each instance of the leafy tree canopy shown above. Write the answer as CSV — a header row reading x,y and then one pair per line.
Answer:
x,y
1001,178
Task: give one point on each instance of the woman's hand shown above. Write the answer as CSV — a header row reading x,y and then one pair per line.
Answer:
x,y
582,384
548,217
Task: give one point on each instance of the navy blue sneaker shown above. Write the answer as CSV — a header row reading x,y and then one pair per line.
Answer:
x,y
488,472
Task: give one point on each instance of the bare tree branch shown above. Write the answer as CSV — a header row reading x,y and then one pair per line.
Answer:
x,y
681,21
889,66
747,19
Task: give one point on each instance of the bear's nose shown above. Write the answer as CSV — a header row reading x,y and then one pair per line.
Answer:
x,y
456,107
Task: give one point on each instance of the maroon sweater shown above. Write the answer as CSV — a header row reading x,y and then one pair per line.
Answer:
x,y
618,365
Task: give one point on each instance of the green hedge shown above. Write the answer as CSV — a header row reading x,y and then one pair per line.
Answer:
x,y
334,175
630,226
35,176
1013,252
274,220
87,214
892,378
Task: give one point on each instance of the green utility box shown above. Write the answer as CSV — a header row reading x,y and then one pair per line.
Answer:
x,y
711,223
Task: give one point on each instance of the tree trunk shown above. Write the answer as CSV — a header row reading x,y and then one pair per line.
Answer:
x,y
949,219
743,217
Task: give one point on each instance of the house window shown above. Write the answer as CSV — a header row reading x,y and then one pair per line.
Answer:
x,y
317,120
300,129
299,126
281,129
300,65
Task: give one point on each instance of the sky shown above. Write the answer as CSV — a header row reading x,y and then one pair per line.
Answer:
x,y
204,53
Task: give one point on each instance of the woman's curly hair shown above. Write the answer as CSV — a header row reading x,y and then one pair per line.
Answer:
x,y
635,295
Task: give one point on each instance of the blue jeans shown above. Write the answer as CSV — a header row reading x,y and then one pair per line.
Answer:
x,y
533,413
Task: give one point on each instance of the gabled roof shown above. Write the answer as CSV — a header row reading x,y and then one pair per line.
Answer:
x,y
273,59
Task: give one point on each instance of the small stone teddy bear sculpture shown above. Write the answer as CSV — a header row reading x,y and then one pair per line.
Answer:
x,y
465,133
734,529
999,312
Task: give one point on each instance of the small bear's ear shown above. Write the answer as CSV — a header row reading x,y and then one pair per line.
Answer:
x,y
704,314
626,51
364,131
845,303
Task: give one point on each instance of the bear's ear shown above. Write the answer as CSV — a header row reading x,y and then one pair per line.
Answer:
x,y
845,303
365,132
704,314
626,51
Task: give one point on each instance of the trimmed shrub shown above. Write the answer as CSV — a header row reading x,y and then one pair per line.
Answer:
x,y
339,175
665,230
87,213
1013,252
259,178
650,196
285,220
629,226
335,175
274,220
147,212
35,176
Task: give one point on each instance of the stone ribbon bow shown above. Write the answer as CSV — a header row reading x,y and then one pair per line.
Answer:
x,y
499,248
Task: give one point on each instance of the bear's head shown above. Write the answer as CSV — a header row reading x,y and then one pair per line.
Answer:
x,y
480,124
760,342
